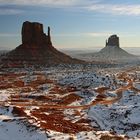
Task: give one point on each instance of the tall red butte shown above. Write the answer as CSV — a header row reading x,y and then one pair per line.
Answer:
x,y
36,49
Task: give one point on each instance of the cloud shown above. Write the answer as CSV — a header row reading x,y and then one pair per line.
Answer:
x,y
50,3
9,35
40,2
92,5
117,9
10,11
99,34
95,34
90,34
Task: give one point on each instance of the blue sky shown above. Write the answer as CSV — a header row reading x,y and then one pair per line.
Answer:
x,y
78,24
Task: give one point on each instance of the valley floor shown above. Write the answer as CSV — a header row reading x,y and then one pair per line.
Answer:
x,y
70,103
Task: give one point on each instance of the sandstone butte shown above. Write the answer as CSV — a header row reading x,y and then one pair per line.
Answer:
x,y
36,49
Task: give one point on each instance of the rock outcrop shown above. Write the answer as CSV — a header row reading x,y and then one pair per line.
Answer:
x,y
32,33
36,49
113,40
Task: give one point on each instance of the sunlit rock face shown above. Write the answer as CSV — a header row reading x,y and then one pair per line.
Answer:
x,y
36,49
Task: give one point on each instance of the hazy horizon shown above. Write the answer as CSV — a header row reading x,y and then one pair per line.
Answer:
x,y
132,50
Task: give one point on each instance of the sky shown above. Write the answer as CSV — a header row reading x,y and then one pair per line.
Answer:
x,y
78,24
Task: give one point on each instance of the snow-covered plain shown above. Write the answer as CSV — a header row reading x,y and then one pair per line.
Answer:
x,y
74,102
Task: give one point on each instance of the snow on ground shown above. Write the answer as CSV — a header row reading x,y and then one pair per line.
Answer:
x,y
121,117
16,131
17,128
85,79
69,87
4,95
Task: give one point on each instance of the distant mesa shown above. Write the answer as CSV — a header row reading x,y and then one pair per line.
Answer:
x,y
36,49
113,40
112,51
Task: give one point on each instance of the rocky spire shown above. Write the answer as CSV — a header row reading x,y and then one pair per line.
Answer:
x,y
113,40
48,31
49,35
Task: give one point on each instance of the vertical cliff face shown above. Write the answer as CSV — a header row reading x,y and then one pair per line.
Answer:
x,y
32,33
36,48
113,40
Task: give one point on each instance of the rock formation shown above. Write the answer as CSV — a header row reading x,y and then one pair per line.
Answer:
x,y
113,41
36,49
32,33
112,51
